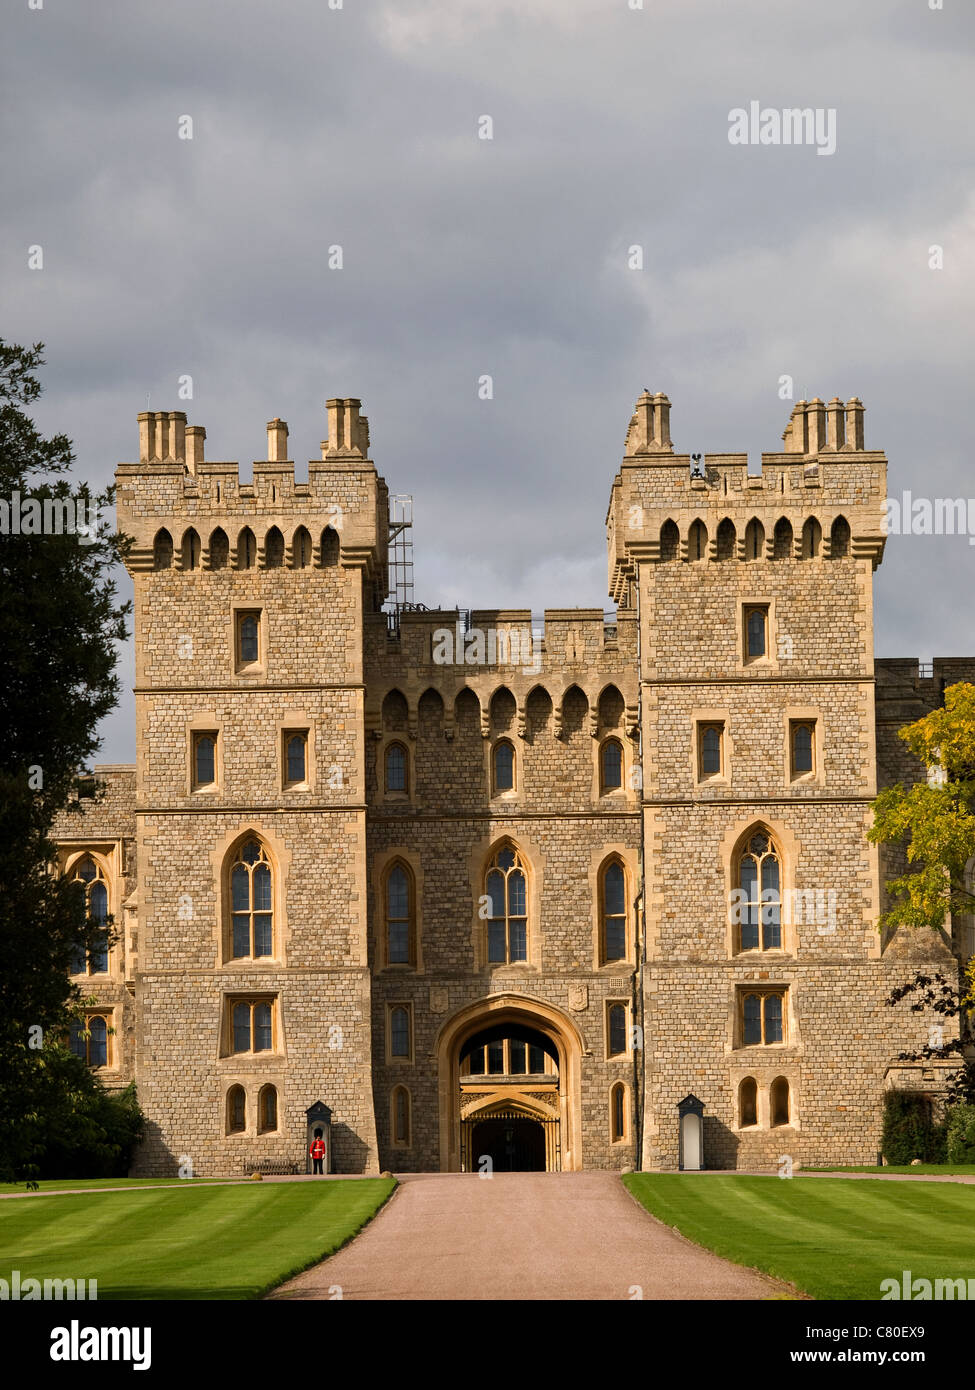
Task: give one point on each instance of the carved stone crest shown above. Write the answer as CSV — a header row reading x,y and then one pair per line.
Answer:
x,y
439,999
578,997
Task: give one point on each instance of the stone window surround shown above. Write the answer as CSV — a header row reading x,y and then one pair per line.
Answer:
x,y
787,848
598,861
228,999
297,722
221,860
396,1143
627,1048
252,1086
107,854
763,1076
624,1136
769,663
392,1061
382,864
701,717
205,723
804,714
239,610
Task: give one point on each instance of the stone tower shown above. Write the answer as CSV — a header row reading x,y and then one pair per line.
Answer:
x,y
765,975
252,976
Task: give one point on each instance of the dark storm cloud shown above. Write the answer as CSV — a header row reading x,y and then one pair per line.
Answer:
x,y
462,257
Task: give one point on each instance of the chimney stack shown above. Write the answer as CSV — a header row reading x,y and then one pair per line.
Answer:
x,y
835,433
344,426
277,440
195,435
815,426
661,422
796,435
854,423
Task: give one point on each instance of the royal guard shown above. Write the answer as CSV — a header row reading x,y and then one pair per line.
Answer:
x,y
317,1150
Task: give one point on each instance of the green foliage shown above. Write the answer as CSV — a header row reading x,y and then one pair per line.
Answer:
x,y
935,822
961,1134
909,1131
78,1129
59,625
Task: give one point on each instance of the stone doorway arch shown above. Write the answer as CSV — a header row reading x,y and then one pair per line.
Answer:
x,y
520,1011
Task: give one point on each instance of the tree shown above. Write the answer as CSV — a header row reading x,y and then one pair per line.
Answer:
x,y
935,820
59,622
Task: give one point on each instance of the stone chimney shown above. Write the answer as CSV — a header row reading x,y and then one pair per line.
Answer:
x,y
815,426
649,431
162,436
796,434
854,423
195,435
344,427
277,440
661,422
835,433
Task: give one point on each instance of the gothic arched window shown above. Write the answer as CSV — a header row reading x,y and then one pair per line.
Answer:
x,y
400,919
759,900
612,912
507,892
93,961
251,908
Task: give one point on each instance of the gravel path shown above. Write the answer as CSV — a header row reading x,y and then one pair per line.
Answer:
x,y
522,1236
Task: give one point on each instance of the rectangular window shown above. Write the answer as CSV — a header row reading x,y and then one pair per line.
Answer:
x,y
399,1031
247,638
710,750
616,1030
204,759
295,756
802,746
518,1064
495,1056
250,1025
755,634
761,1017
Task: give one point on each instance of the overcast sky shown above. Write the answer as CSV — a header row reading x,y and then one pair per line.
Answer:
x,y
463,257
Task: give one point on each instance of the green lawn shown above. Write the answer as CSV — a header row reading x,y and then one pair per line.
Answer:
x,y
86,1184
194,1241
832,1239
946,1170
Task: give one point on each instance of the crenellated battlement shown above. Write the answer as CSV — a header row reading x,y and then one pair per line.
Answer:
x,y
175,503
823,496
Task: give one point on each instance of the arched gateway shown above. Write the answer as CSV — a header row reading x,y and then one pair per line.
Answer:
x,y
509,1087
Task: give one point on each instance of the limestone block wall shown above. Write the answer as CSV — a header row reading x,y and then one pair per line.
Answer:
x,y
308,566
105,825
446,828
